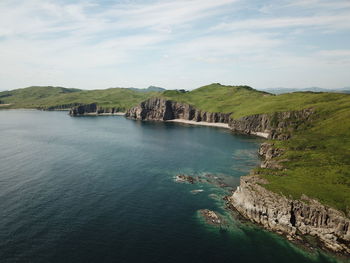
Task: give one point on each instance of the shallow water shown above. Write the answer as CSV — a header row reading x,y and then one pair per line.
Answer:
x,y
101,189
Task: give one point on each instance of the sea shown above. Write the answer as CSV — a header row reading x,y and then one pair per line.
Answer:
x,y
104,189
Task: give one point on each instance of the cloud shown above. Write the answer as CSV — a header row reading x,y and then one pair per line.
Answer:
x,y
94,44
339,22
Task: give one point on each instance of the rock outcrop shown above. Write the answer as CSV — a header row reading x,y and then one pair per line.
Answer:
x,y
92,109
269,154
292,218
284,215
278,125
60,107
160,109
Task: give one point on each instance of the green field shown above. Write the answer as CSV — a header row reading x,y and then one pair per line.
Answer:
x,y
316,160
317,157
51,97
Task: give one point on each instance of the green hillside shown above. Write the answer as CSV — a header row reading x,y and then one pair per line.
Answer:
x,y
317,158
243,100
51,97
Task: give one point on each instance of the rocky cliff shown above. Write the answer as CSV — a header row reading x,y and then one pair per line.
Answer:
x,y
91,109
292,218
60,107
161,110
278,125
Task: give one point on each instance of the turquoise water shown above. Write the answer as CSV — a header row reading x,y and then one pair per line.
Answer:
x,y
102,189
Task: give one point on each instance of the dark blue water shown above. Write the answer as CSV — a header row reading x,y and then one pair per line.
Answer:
x,y
101,189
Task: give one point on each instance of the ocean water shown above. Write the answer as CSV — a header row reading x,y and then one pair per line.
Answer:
x,y
102,189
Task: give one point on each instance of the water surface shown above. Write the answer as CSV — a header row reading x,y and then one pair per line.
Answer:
x,y
101,189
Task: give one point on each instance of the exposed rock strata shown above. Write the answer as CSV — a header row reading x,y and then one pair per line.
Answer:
x,y
160,109
279,125
269,153
61,107
293,218
91,109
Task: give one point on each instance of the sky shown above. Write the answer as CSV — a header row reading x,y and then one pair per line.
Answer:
x,y
175,44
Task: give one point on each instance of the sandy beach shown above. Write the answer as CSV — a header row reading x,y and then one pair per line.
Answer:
x,y
202,123
105,114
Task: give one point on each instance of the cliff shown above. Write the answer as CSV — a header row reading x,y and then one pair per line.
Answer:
x,y
60,107
92,109
160,109
292,218
278,125
284,215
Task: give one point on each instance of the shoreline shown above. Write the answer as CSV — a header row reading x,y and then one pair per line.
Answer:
x,y
103,114
264,135
201,123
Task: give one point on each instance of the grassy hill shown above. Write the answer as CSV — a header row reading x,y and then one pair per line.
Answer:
x,y
317,157
51,97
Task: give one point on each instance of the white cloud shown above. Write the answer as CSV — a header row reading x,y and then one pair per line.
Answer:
x,y
87,44
338,22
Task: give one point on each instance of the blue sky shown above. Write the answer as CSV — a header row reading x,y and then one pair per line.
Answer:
x,y
175,44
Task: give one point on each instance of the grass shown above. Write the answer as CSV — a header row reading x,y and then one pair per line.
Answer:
x,y
318,156
51,97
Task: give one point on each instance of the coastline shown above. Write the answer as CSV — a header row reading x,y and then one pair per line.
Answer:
x,y
247,214
104,114
264,135
201,123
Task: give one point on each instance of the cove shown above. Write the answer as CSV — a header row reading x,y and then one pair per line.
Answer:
x,y
102,189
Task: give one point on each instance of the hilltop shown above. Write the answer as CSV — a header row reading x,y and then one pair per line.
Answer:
x,y
313,89
149,89
58,97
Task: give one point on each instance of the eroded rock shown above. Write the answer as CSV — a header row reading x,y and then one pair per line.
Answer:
x,y
211,217
292,218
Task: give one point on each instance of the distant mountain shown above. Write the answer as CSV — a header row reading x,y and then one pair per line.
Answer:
x,y
312,89
149,89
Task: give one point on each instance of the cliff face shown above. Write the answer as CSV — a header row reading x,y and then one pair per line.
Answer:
x,y
91,109
279,125
293,218
160,109
61,107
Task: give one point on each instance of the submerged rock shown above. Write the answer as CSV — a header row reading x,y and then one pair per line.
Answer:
x,y
197,191
211,217
182,178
